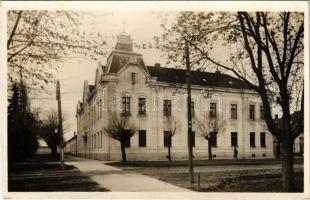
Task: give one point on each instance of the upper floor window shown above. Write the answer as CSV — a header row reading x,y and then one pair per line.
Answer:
x,y
141,106
193,108
252,112
262,112
233,111
133,78
167,107
126,105
213,110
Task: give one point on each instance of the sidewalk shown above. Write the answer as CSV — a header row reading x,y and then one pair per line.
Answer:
x,y
116,180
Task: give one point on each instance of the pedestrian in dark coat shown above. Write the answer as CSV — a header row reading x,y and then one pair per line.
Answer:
x,y
235,153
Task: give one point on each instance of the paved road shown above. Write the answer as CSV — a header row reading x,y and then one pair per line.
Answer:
x,y
118,180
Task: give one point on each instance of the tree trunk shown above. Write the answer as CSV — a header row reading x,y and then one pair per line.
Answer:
x,y
54,152
123,151
169,153
209,149
287,166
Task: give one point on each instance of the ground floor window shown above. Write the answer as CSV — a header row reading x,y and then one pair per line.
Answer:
x,y
263,139
167,138
213,138
142,138
252,139
234,139
127,140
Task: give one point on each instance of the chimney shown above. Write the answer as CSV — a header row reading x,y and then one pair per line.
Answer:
x,y
157,65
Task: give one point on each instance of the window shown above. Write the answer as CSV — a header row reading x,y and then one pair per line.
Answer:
x,y
252,112
126,105
193,139
263,139
213,110
133,78
167,138
193,108
101,139
141,106
167,107
252,139
213,138
142,138
98,142
234,139
95,141
127,139
233,111
100,108
262,112
90,142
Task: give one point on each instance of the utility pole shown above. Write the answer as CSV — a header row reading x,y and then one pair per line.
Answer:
x,y
76,143
189,116
60,128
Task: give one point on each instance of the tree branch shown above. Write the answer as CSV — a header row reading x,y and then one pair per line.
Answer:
x,y
14,29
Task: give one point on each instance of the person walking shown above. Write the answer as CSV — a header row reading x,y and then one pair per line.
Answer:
x,y
235,153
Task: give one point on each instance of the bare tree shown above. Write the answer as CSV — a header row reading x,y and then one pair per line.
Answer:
x,y
172,127
38,39
120,129
209,127
260,48
48,131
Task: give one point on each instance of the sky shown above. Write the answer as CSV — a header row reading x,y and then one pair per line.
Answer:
x,y
142,26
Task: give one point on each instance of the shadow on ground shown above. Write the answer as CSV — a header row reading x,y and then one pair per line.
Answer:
x,y
41,175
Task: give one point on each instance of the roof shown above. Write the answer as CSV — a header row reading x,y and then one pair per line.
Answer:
x,y
73,138
120,59
172,75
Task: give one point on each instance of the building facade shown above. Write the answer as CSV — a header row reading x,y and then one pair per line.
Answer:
x,y
154,98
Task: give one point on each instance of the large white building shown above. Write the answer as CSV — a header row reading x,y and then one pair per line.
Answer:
x,y
146,94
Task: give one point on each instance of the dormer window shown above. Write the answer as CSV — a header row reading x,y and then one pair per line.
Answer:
x,y
133,78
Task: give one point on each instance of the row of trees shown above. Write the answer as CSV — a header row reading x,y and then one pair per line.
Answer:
x,y
25,126
37,41
120,128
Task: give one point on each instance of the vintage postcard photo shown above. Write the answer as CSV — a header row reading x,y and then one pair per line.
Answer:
x,y
193,99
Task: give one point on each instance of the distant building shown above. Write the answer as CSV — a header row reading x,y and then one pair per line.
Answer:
x,y
71,146
151,95
298,147
43,148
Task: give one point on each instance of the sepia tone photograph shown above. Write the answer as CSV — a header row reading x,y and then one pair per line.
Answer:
x,y
188,101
